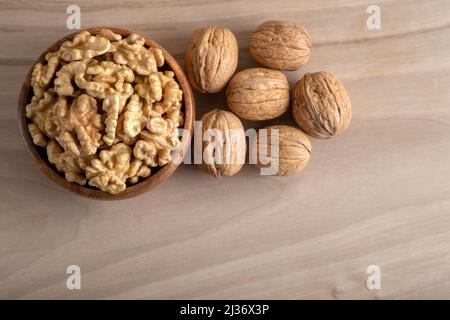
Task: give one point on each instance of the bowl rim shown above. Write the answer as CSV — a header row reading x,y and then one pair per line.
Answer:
x,y
161,175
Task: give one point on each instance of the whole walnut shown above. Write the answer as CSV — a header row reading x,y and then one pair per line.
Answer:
x,y
282,45
321,105
211,58
293,154
224,146
258,94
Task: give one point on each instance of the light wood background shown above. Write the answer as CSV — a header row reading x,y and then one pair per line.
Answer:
x,y
377,194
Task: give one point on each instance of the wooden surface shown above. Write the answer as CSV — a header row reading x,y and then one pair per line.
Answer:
x,y
377,194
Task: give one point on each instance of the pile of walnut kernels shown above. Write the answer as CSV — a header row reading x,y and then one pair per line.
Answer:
x,y
103,110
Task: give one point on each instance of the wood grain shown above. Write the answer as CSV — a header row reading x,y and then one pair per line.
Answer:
x,y
377,194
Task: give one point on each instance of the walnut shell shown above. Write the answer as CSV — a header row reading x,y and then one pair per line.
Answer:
x,y
231,153
294,149
321,105
282,45
258,94
211,58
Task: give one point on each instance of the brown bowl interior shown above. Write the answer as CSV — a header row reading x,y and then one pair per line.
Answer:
x,y
39,155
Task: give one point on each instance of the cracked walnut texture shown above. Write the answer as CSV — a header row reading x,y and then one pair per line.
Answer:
x,y
103,110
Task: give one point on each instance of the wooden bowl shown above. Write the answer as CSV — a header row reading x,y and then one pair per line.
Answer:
x,y
39,155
